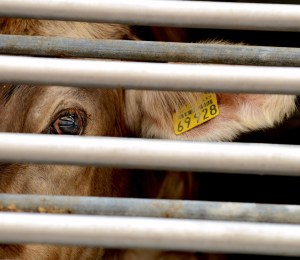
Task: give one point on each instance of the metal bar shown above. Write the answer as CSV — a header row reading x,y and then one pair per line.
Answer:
x,y
150,154
149,51
138,75
171,234
164,13
251,212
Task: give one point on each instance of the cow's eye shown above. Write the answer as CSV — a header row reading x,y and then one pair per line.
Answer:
x,y
70,122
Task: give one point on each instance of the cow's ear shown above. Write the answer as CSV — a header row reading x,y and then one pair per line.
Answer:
x,y
203,116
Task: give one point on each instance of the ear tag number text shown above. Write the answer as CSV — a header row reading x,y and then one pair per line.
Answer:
x,y
191,116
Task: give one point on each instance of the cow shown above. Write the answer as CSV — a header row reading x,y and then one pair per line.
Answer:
x,y
117,113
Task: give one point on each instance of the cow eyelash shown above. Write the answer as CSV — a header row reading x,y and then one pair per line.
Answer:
x,y
68,122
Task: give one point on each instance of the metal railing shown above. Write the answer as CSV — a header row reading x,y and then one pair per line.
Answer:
x,y
153,208
149,232
149,51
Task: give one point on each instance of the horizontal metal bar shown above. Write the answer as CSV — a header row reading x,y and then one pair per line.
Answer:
x,y
251,212
122,232
149,51
151,154
139,75
165,13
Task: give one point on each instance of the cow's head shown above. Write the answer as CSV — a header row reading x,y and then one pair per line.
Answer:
x,y
61,110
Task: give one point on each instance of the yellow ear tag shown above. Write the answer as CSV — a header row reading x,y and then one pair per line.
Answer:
x,y
190,116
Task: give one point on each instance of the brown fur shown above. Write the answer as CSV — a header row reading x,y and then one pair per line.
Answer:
x,y
112,113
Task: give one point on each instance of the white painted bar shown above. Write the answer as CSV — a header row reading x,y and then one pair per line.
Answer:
x,y
151,154
155,76
166,234
165,13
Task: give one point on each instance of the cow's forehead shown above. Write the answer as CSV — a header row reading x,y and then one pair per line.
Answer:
x,y
20,94
9,90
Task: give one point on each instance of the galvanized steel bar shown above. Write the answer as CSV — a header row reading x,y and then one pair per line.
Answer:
x,y
150,154
251,212
171,234
149,51
139,75
164,13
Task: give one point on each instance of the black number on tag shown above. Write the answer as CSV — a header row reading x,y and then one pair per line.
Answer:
x,y
180,127
188,121
205,114
197,116
213,110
